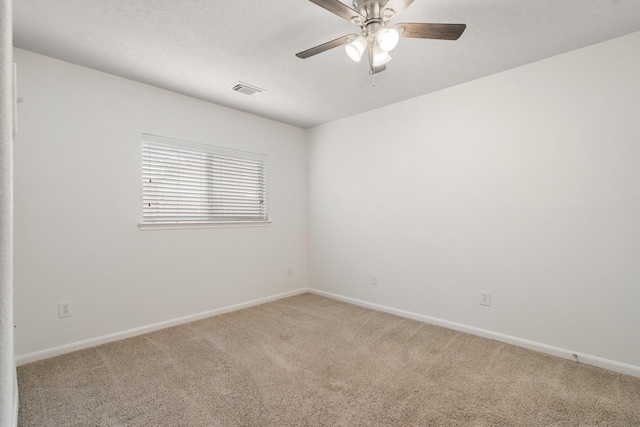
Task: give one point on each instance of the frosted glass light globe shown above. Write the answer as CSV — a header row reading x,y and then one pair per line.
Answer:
x,y
356,48
387,38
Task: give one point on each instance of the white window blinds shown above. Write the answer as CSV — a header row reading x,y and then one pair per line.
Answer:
x,y
184,182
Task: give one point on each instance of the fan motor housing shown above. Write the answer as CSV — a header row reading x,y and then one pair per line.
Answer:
x,y
368,8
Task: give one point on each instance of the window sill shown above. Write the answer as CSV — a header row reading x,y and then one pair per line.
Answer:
x,y
189,225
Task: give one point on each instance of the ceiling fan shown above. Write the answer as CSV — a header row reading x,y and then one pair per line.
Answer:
x,y
372,16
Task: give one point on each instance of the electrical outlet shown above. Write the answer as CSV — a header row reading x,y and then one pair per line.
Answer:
x,y
374,280
485,298
64,309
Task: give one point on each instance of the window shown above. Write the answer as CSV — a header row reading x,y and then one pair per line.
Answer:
x,y
188,183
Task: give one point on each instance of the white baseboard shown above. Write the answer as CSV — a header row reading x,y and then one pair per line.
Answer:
x,y
587,359
531,345
92,342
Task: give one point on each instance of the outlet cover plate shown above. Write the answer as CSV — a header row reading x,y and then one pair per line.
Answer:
x,y
485,298
64,309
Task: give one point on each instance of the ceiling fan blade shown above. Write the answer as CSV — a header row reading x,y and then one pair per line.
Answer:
x,y
340,9
430,31
398,5
326,46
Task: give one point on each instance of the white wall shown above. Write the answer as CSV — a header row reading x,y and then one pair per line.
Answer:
x,y
8,391
525,184
78,203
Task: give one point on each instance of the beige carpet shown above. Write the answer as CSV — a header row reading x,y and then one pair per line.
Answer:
x,y
312,361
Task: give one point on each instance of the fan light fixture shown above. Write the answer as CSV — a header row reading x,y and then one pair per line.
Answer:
x,y
384,40
356,48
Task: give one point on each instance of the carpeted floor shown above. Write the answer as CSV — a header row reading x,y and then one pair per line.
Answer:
x,y
313,361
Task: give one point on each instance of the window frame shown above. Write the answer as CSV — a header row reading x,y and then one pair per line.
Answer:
x,y
202,149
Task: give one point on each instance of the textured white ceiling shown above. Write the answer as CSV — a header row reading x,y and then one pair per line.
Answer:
x,y
202,47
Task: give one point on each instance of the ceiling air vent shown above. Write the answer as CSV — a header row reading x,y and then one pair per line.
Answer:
x,y
247,89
